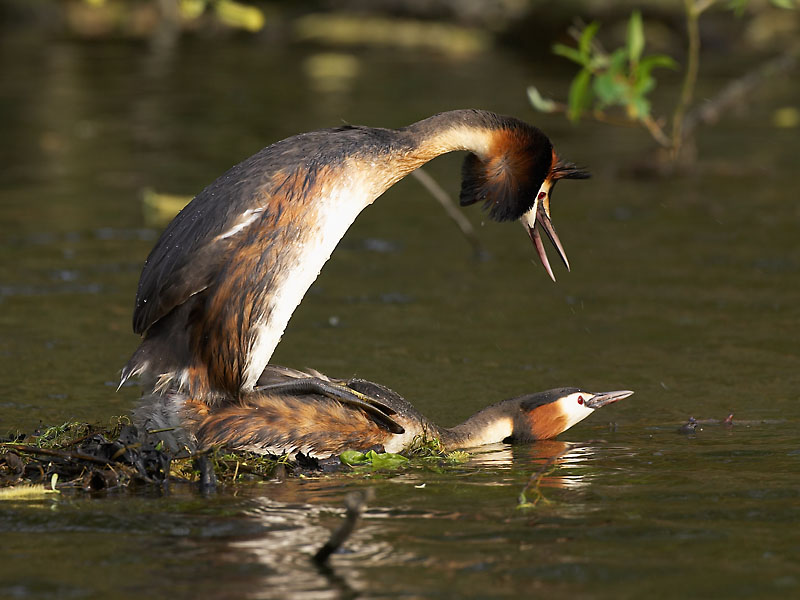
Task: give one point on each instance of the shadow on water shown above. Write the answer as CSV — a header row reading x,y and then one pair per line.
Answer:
x,y
685,290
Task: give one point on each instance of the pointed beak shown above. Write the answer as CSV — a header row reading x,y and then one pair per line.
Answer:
x,y
539,214
600,400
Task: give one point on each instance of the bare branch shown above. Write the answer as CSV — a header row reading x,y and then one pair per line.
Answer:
x,y
738,90
438,192
690,76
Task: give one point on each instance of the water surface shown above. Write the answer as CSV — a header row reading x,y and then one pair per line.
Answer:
x,y
685,290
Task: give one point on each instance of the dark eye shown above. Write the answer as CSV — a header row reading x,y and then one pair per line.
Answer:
x,y
580,399
541,196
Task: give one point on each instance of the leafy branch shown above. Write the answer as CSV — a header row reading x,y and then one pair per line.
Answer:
x,y
624,79
621,78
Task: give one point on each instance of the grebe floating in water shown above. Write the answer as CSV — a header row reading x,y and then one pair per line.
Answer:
x,y
221,283
293,412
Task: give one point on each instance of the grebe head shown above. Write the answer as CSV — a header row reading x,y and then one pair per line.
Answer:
x,y
515,181
546,414
539,212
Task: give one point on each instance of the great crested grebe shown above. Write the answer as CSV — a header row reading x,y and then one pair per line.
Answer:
x,y
221,283
293,412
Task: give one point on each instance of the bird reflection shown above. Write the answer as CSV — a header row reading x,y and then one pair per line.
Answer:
x,y
562,456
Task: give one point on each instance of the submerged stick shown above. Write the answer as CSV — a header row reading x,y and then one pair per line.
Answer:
x,y
443,198
355,503
57,453
208,479
739,90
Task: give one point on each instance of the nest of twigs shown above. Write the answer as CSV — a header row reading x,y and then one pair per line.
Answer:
x,y
94,458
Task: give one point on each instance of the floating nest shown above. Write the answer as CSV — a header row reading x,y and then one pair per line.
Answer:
x,y
93,458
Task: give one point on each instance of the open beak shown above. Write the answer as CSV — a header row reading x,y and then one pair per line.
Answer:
x,y
539,214
600,400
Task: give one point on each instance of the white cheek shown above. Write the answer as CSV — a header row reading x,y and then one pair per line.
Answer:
x,y
575,412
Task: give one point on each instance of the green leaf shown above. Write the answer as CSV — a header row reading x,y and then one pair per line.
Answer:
x,y
639,108
579,95
648,63
384,460
643,85
610,89
568,52
617,62
598,62
787,4
585,42
635,37
643,81
539,102
353,457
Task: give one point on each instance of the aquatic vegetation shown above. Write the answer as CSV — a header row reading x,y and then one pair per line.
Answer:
x,y
432,450
372,459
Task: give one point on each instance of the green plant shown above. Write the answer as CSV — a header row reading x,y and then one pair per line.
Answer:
x,y
621,78
373,460
624,78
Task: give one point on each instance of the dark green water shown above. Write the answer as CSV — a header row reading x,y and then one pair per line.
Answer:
x,y
685,290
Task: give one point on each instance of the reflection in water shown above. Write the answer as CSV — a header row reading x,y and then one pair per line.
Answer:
x,y
297,520
292,534
565,457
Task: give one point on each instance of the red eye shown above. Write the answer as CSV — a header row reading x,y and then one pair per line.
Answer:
x,y
580,399
541,196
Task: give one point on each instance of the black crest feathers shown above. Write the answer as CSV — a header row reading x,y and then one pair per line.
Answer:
x,y
509,177
533,401
567,170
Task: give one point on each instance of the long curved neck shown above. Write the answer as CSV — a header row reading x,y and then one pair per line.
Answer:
x,y
490,425
357,179
470,130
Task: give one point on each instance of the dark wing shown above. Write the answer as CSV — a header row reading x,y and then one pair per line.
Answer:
x,y
288,382
187,257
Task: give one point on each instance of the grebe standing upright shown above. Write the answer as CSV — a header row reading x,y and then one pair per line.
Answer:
x,y
221,283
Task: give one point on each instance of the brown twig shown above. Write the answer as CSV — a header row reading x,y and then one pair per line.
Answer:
x,y
656,131
693,11
738,89
441,196
57,453
597,114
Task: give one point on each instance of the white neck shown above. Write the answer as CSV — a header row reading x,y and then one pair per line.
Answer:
x,y
359,182
334,216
